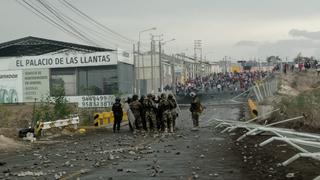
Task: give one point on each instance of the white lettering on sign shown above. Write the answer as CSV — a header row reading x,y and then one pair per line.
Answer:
x,y
92,101
56,61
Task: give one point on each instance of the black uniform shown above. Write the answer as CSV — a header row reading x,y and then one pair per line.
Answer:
x,y
143,113
118,114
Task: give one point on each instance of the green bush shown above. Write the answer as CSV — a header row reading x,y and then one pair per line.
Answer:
x,y
53,108
61,108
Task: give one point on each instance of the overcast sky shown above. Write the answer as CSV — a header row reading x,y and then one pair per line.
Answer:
x,y
239,29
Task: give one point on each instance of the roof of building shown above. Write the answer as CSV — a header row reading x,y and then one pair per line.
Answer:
x,y
33,46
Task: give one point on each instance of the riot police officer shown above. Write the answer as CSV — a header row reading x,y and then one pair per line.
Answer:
x,y
164,108
136,109
173,111
117,114
150,113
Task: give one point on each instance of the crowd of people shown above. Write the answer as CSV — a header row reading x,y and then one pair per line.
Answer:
x,y
150,114
220,82
300,67
159,113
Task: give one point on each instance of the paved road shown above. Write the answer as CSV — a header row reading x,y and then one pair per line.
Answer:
x,y
100,154
185,155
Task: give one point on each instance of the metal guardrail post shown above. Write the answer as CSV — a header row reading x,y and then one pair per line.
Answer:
x,y
256,93
269,88
264,90
259,92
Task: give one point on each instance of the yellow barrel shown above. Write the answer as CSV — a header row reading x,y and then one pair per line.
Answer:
x,y
106,118
253,108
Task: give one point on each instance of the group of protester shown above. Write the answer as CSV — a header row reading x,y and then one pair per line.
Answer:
x,y
151,113
220,82
300,66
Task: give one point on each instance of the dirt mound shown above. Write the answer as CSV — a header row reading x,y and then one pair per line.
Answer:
x,y
10,132
300,81
300,95
9,144
15,116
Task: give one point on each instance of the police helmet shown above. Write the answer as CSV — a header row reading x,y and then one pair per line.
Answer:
x,y
135,97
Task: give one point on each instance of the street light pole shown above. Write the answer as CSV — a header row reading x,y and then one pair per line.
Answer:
x,y
160,67
138,68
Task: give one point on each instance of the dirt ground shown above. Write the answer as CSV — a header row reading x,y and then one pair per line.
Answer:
x,y
264,162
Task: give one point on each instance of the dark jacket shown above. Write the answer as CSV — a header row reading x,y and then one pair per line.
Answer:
x,y
117,109
195,105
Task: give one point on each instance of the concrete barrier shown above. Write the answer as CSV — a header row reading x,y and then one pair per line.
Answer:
x,y
72,121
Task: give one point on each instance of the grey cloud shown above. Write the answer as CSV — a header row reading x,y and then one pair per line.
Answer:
x,y
289,47
315,35
247,43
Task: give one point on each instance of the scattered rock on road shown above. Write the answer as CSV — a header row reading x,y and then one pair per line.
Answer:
x,y
290,175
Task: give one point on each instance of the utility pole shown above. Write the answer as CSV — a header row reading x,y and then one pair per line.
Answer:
x,y
198,54
281,68
139,44
225,64
138,68
160,68
160,60
134,70
173,75
198,49
151,55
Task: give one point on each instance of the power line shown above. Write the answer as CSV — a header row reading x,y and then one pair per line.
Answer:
x,y
73,25
48,19
79,24
110,35
52,11
55,17
92,31
103,27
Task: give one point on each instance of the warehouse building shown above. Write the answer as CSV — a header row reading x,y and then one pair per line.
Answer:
x,y
32,68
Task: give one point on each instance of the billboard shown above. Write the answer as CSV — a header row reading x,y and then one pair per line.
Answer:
x,y
11,87
59,61
35,84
